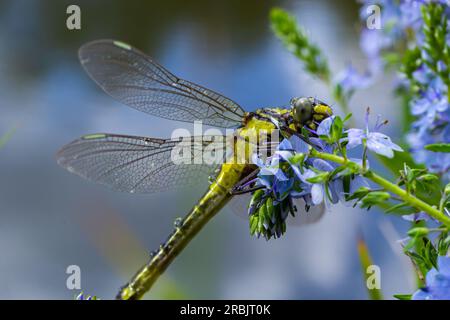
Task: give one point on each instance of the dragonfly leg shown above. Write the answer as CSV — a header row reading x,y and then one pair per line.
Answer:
x,y
245,185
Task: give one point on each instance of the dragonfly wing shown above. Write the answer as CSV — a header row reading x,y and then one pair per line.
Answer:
x,y
239,206
139,164
137,80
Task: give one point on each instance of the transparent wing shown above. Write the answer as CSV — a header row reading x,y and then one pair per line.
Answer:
x,y
142,165
137,80
239,206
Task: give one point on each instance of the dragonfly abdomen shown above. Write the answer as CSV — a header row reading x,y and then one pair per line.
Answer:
x,y
214,199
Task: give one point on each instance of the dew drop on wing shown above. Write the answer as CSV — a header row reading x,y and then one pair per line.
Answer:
x,y
178,222
153,253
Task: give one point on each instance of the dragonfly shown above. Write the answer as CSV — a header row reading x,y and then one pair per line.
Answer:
x,y
145,165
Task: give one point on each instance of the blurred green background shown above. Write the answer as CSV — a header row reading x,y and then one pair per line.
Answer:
x,y
50,219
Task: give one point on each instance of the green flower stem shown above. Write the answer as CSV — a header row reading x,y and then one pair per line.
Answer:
x,y
388,186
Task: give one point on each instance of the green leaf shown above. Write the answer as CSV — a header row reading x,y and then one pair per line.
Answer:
x,y
428,178
438,147
403,296
347,117
336,129
415,257
398,209
253,224
270,209
359,194
262,214
297,159
411,243
443,244
374,198
255,201
319,178
447,189
418,232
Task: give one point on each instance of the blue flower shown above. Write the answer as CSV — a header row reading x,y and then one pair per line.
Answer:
x,y
397,19
329,191
375,141
332,191
324,127
437,282
287,147
432,124
82,296
423,74
410,14
430,106
272,175
432,101
350,80
283,175
272,168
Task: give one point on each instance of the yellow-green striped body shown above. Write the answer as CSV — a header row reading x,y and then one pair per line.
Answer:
x,y
216,197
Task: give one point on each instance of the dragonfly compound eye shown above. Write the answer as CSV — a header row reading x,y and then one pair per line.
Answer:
x,y
302,110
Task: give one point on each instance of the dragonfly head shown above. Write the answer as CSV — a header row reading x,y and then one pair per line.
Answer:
x,y
308,111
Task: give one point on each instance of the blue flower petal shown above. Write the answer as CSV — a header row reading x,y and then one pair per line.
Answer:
x,y
298,144
285,145
317,194
444,265
322,165
325,126
421,295
381,144
355,137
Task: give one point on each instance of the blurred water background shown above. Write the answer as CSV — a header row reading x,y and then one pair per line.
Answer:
x,y
50,219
